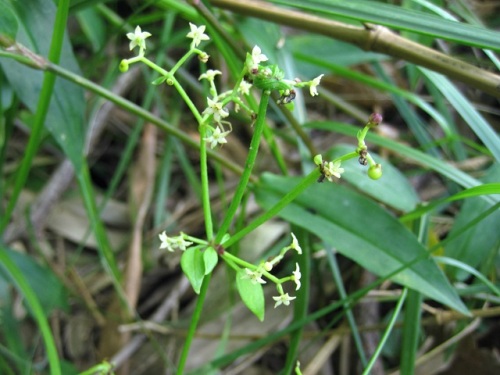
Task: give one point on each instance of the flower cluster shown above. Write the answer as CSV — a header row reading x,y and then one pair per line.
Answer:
x,y
172,243
330,169
263,269
272,78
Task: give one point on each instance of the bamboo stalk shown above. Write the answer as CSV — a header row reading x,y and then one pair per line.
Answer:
x,y
370,38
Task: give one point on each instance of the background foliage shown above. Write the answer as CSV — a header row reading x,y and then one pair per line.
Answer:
x,y
397,274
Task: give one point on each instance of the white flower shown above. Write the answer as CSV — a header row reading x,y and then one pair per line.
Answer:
x,y
254,276
283,299
166,242
181,243
244,87
197,34
217,137
215,108
295,244
314,83
209,75
258,56
171,243
333,170
296,276
255,58
138,38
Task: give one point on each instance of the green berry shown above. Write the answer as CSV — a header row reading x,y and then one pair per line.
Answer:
x,y
123,66
375,171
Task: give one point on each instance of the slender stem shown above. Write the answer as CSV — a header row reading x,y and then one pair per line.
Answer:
x,y
387,332
240,262
205,192
247,171
36,309
194,323
289,197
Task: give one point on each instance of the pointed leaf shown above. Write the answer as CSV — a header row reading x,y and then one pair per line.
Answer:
x,y
8,23
361,230
252,294
479,243
210,259
66,111
193,266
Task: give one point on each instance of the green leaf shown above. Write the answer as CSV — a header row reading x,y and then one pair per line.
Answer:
x,y
159,80
486,189
210,259
93,27
193,266
252,294
46,286
399,18
8,24
480,242
392,188
467,111
66,112
361,230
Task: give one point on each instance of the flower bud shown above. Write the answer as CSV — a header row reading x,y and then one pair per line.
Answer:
x,y
268,266
318,159
123,66
375,171
374,119
203,57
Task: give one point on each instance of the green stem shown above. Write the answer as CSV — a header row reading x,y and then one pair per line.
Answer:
x,y
205,193
194,323
289,197
387,332
345,157
228,257
247,171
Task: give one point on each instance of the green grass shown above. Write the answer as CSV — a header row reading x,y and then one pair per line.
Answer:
x,y
425,234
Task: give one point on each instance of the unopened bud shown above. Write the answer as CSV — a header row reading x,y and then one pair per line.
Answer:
x,y
374,119
318,159
203,57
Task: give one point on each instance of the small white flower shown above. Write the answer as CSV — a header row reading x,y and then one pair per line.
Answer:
x,y
295,244
255,58
296,276
314,83
254,276
138,38
209,75
333,170
258,56
283,299
197,34
215,108
217,137
181,243
244,88
166,242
